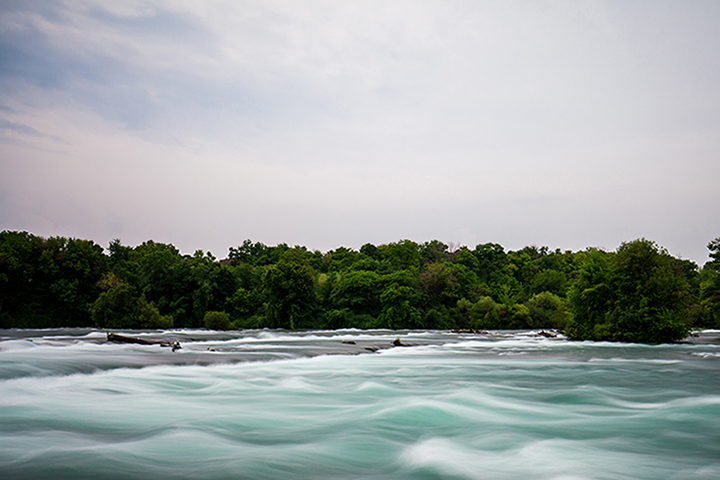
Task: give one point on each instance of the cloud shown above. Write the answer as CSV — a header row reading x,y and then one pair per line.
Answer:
x,y
329,123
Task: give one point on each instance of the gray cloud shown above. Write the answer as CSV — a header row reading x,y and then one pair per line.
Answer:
x,y
333,123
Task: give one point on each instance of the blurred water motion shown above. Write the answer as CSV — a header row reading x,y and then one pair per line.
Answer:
x,y
347,404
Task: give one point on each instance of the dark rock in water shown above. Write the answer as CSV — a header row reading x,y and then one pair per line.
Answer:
x,y
114,337
398,343
545,334
470,330
372,349
349,342
174,345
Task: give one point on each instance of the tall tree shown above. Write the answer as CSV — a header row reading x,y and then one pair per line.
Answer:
x,y
635,297
290,291
48,282
710,287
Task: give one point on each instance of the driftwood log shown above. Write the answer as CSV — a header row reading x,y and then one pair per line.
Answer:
x,y
114,337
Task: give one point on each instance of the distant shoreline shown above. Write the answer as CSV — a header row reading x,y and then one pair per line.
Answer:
x,y
638,293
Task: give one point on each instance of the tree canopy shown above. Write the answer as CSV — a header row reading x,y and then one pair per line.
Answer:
x,y
634,295
638,293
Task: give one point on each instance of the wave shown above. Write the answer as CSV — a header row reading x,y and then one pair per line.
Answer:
x,y
549,459
301,406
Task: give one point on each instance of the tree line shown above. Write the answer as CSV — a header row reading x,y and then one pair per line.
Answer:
x,y
638,292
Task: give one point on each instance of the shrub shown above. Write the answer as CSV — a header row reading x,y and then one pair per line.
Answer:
x,y
216,321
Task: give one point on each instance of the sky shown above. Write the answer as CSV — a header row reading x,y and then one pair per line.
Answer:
x,y
565,124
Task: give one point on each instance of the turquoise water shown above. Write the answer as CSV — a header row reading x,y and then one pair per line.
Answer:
x,y
266,405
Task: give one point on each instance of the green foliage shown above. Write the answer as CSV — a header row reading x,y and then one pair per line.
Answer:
x,y
244,303
340,259
632,296
257,254
371,251
363,262
714,247
638,293
434,252
402,255
709,280
148,316
591,296
548,310
439,318
397,308
119,306
217,321
484,313
47,282
358,292
491,260
289,288
438,284
518,316
115,307
344,318
549,281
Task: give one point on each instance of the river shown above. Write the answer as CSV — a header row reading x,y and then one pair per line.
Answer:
x,y
348,405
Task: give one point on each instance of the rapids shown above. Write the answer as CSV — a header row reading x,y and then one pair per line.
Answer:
x,y
347,404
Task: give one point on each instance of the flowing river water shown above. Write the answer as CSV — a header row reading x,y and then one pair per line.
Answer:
x,y
347,404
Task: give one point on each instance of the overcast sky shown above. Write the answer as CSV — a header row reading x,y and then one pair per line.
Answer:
x,y
328,123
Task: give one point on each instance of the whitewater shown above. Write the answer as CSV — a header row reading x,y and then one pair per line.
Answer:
x,y
348,405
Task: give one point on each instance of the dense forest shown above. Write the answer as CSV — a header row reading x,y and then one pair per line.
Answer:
x,y
637,293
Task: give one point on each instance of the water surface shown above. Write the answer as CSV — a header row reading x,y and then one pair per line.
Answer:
x,y
273,404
